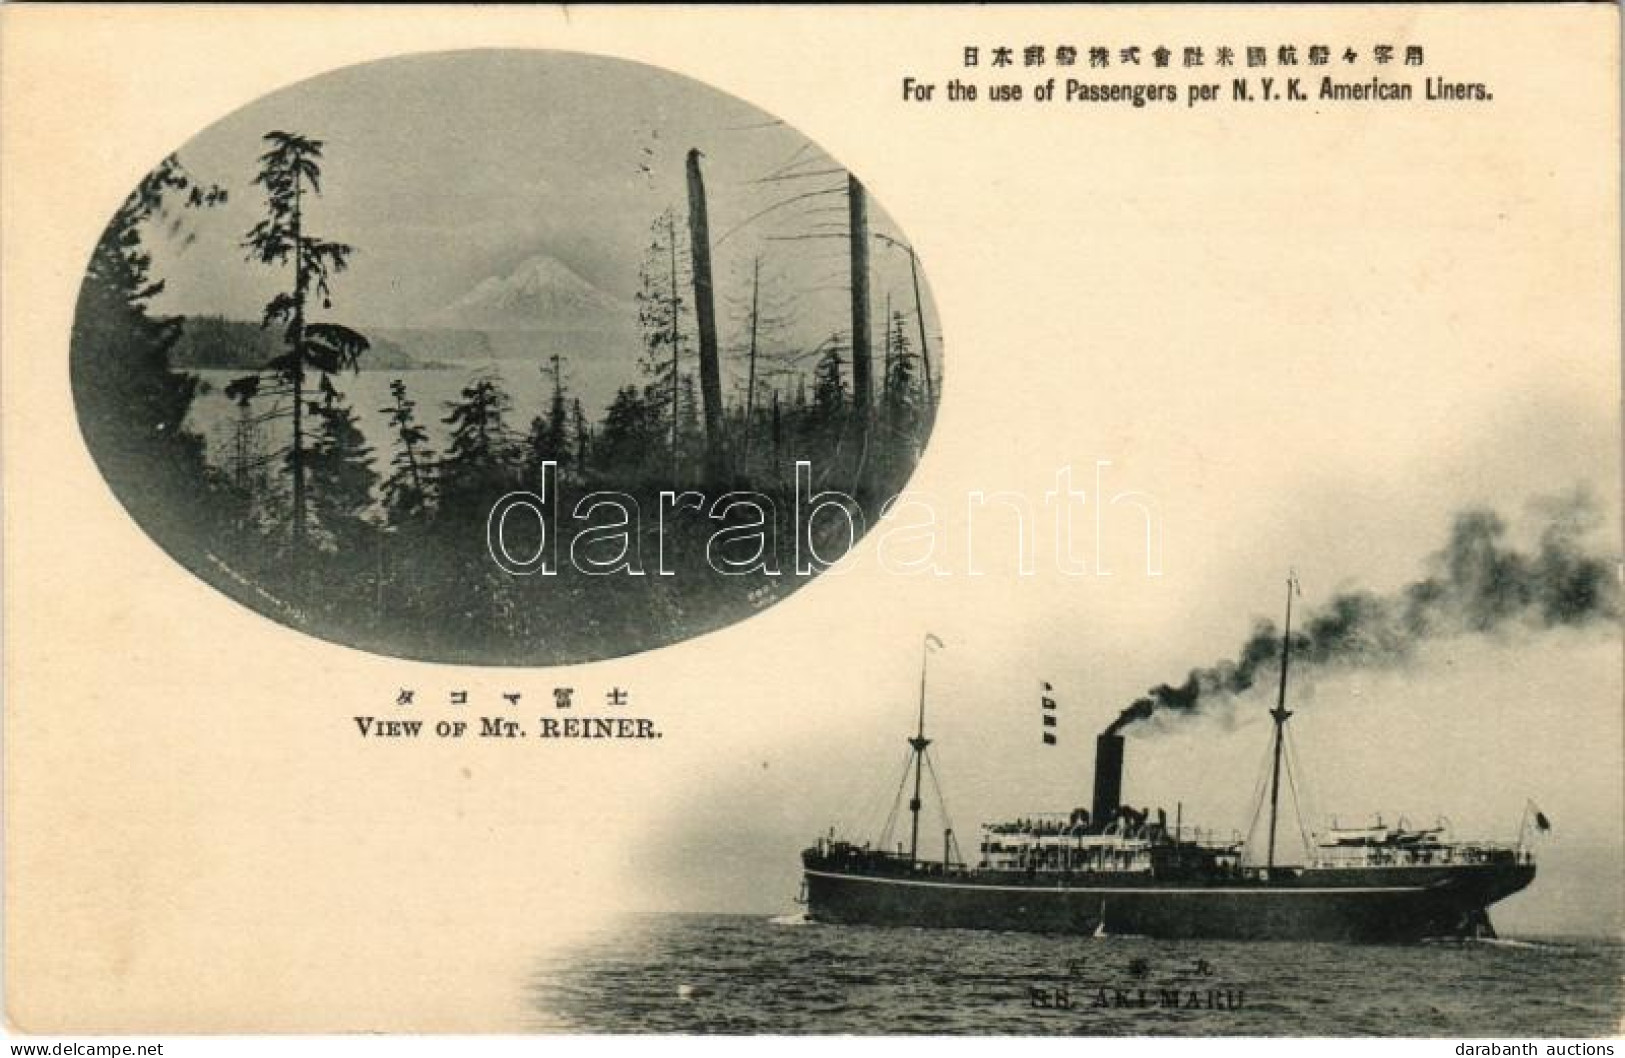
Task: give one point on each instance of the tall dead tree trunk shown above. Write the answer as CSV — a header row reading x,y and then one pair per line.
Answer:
x,y
862,382
676,339
778,436
919,314
296,344
885,352
750,379
705,314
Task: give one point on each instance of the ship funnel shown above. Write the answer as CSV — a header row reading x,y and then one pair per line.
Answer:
x,y
1108,779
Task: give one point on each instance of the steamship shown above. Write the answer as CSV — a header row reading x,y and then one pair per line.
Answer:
x,y
1114,870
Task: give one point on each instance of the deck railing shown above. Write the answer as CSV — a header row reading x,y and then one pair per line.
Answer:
x,y
1456,853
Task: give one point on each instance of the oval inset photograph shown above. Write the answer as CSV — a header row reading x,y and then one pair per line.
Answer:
x,y
504,357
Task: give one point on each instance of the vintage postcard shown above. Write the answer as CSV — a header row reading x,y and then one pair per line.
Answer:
x,y
768,520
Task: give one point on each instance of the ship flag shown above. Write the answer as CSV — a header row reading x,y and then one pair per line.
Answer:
x,y
1050,719
1533,815
932,642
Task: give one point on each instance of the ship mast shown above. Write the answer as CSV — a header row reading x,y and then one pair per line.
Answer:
x,y
1280,715
918,744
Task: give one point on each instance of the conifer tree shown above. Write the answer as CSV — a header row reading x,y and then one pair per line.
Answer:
x,y
630,443
481,456
341,473
549,436
406,490
132,403
290,171
665,318
583,436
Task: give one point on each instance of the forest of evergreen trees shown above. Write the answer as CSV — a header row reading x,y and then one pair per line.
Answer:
x,y
384,546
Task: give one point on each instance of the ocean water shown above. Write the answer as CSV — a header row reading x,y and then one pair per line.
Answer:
x,y
783,975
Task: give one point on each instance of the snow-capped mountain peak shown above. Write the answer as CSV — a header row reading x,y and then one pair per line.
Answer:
x,y
540,293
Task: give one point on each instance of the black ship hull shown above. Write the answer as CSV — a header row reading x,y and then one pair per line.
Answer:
x,y
1372,905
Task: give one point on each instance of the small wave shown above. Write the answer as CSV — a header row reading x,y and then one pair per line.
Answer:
x,y
1509,942
1492,942
798,918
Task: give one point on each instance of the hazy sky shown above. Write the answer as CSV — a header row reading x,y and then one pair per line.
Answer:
x,y
445,169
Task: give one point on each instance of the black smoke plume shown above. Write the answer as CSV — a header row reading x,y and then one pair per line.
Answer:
x,y
1477,584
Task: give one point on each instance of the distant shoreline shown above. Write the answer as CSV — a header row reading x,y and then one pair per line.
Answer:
x,y
365,369
217,343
